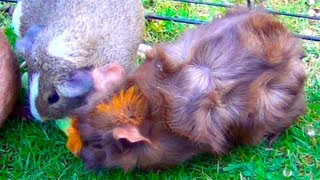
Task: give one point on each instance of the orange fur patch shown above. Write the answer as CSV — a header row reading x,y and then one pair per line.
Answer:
x,y
128,106
74,143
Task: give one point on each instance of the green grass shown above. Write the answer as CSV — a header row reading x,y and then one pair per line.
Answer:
x,y
30,150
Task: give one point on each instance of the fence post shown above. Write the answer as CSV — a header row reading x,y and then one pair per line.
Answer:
x,y
250,3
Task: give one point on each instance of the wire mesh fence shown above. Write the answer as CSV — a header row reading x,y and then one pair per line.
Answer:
x,y
249,4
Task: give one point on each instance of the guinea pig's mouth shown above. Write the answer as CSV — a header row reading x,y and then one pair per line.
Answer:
x,y
33,94
36,115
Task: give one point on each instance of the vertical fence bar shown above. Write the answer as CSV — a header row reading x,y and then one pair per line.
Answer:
x,y
248,3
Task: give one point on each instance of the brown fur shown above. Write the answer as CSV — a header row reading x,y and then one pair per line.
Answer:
x,y
92,34
158,146
9,78
236,80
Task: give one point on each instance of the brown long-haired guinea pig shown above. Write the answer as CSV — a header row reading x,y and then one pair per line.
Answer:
x,y
9,78
236,80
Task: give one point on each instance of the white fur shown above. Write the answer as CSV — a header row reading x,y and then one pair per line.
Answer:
x,y
58,47
142,49
16,18
34,90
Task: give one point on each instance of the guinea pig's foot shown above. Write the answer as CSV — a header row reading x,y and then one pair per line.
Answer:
x,y
7,8
142,50
273,138
22,112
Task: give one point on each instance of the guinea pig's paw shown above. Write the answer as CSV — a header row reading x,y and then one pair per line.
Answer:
x,y
22,112
7,8
142,50
272,138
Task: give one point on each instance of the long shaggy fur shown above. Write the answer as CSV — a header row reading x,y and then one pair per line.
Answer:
x,y
236,80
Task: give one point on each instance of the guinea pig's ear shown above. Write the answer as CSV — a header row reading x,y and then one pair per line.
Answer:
x,y
107,77
100,79
24,45
130,133
171,57
79,83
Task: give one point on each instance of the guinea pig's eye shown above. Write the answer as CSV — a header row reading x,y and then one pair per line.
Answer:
x,y
53,98
159,67
97,145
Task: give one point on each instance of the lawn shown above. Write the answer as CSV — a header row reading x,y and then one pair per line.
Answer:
x,y
31,150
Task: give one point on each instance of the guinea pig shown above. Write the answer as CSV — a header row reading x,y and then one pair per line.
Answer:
x,y
63,41
9,78
233,81
125,132
238,80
